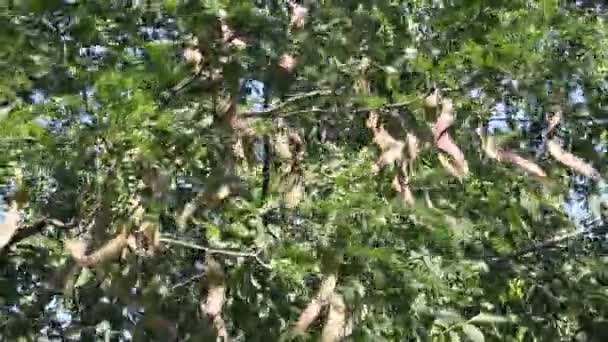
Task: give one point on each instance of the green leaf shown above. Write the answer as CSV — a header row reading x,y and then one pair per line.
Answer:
x,y
171,5
483,317
84,277
213,232
473,333
550,8
454,337
446,318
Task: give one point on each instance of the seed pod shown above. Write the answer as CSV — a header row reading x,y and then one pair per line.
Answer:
x,y
430,104
313,309
334,328
281,146
295,191
111,250
10,224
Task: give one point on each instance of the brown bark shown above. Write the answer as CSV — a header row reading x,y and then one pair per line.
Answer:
x,y
449,166
553,120
294,189
24,232
522,162
288,62
193,57
229,37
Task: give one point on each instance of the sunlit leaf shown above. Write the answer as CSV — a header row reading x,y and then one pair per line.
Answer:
x,y
473,333
484,317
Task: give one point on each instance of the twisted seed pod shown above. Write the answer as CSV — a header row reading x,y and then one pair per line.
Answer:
x,y
313,309
295,191
335,324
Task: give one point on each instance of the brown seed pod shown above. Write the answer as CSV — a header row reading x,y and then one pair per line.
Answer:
x,y
288,62
10,225
110,250
281,146
493,151
431,103
335,325
295,191
298,15
570,160
313,309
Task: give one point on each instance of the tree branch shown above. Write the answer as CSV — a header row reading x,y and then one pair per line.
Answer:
x,y
186,281
276,111
290,101
535,248
211,250
385,107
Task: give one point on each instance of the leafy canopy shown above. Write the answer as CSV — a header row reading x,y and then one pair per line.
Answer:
x,y
270,170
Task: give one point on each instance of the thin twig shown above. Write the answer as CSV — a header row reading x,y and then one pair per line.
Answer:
x,y
385,106
539,246
186,282
277,109
211,250
303,111
61,224
293,99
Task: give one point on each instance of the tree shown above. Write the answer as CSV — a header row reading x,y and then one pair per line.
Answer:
x,y
365,193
